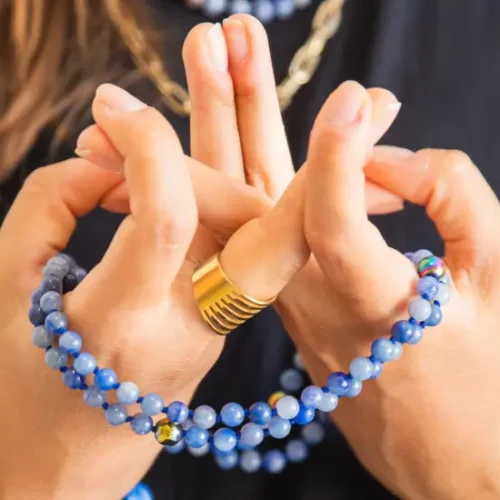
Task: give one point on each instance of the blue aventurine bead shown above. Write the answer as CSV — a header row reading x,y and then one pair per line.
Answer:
x,y
36,315
402,331
232,414
338,383
50,302
85,364
70,282
305,415
291,380
41,337
152,404
56,358
361,368
196,437
264,10
250,461
296,450
382,350
55,270
127,393
116,414
436,316
311,396
94,397
260,413
354,388
251,435
52,284
105,379
204,417
225,439
61,261
36,296
313,433
177,412
79,274
279,428
227,461
72,379
70,342
141,424
56,322
274,461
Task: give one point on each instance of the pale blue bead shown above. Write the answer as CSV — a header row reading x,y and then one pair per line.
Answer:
x,y
56,358
85,364
311,396
420,255
225,439
152,404
291,380
408,255
141,424
397,351
302,4
127,393
382,350
175,448
328,402
50,302
240,7
354,388
94,397
417,335
227,461
251,435
214,8
296,450
204,417
297,361
177,412
287,407
250,461
284,8
54,269
435,317
260,413
446,279
361,368
313,433
41,337
232,414
201,451
420,309
196,437
443,294
279,428
56,322
115,414
70,342
264,10
274,461
427,285
377,369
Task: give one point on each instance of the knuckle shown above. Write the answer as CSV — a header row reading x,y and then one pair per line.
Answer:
x,y
172,231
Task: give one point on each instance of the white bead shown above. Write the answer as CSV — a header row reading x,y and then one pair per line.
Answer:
x,y
287,407
443,295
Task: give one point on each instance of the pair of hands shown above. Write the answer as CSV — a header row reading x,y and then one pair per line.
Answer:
x,y
412,427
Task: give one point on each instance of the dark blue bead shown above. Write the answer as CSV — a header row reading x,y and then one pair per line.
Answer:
x,y
36,315
402,331
436,316
52,284
72,379
79,274
105,379
338,383
36,296
70,282
305,416
56,322
260,413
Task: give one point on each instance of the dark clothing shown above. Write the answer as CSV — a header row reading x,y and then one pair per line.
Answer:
x,y
441,58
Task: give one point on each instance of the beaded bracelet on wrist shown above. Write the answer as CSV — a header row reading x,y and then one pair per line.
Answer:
x,y
239,430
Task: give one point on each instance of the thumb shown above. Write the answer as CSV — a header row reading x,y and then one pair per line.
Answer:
x,y
456,196
43,216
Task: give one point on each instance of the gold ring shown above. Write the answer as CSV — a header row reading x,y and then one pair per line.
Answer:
x,y
221,304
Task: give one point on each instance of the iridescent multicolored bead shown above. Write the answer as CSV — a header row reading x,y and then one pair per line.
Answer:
x,y
274,398
431,266
167,433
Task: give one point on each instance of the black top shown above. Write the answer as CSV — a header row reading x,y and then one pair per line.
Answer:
x,y
442,60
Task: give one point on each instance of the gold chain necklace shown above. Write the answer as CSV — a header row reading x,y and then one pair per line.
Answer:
x,y
304,63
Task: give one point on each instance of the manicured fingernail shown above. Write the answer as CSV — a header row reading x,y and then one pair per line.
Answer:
x,y
394,107
217,48
346,104
118,99
391,155
237,41
103,161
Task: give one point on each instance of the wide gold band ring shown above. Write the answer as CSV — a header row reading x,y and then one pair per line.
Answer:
x,y
221,304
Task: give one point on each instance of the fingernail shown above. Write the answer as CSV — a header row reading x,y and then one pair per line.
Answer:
x,y
236,35
103,161
118,99
391,155
394,107
347,104
217,48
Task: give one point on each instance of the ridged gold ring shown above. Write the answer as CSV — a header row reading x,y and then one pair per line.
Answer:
x,y
221,304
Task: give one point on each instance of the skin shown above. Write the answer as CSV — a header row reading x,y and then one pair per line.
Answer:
x,y
330,302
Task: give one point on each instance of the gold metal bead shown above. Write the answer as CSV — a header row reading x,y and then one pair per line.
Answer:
x,y
167,433
274,398
220,303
